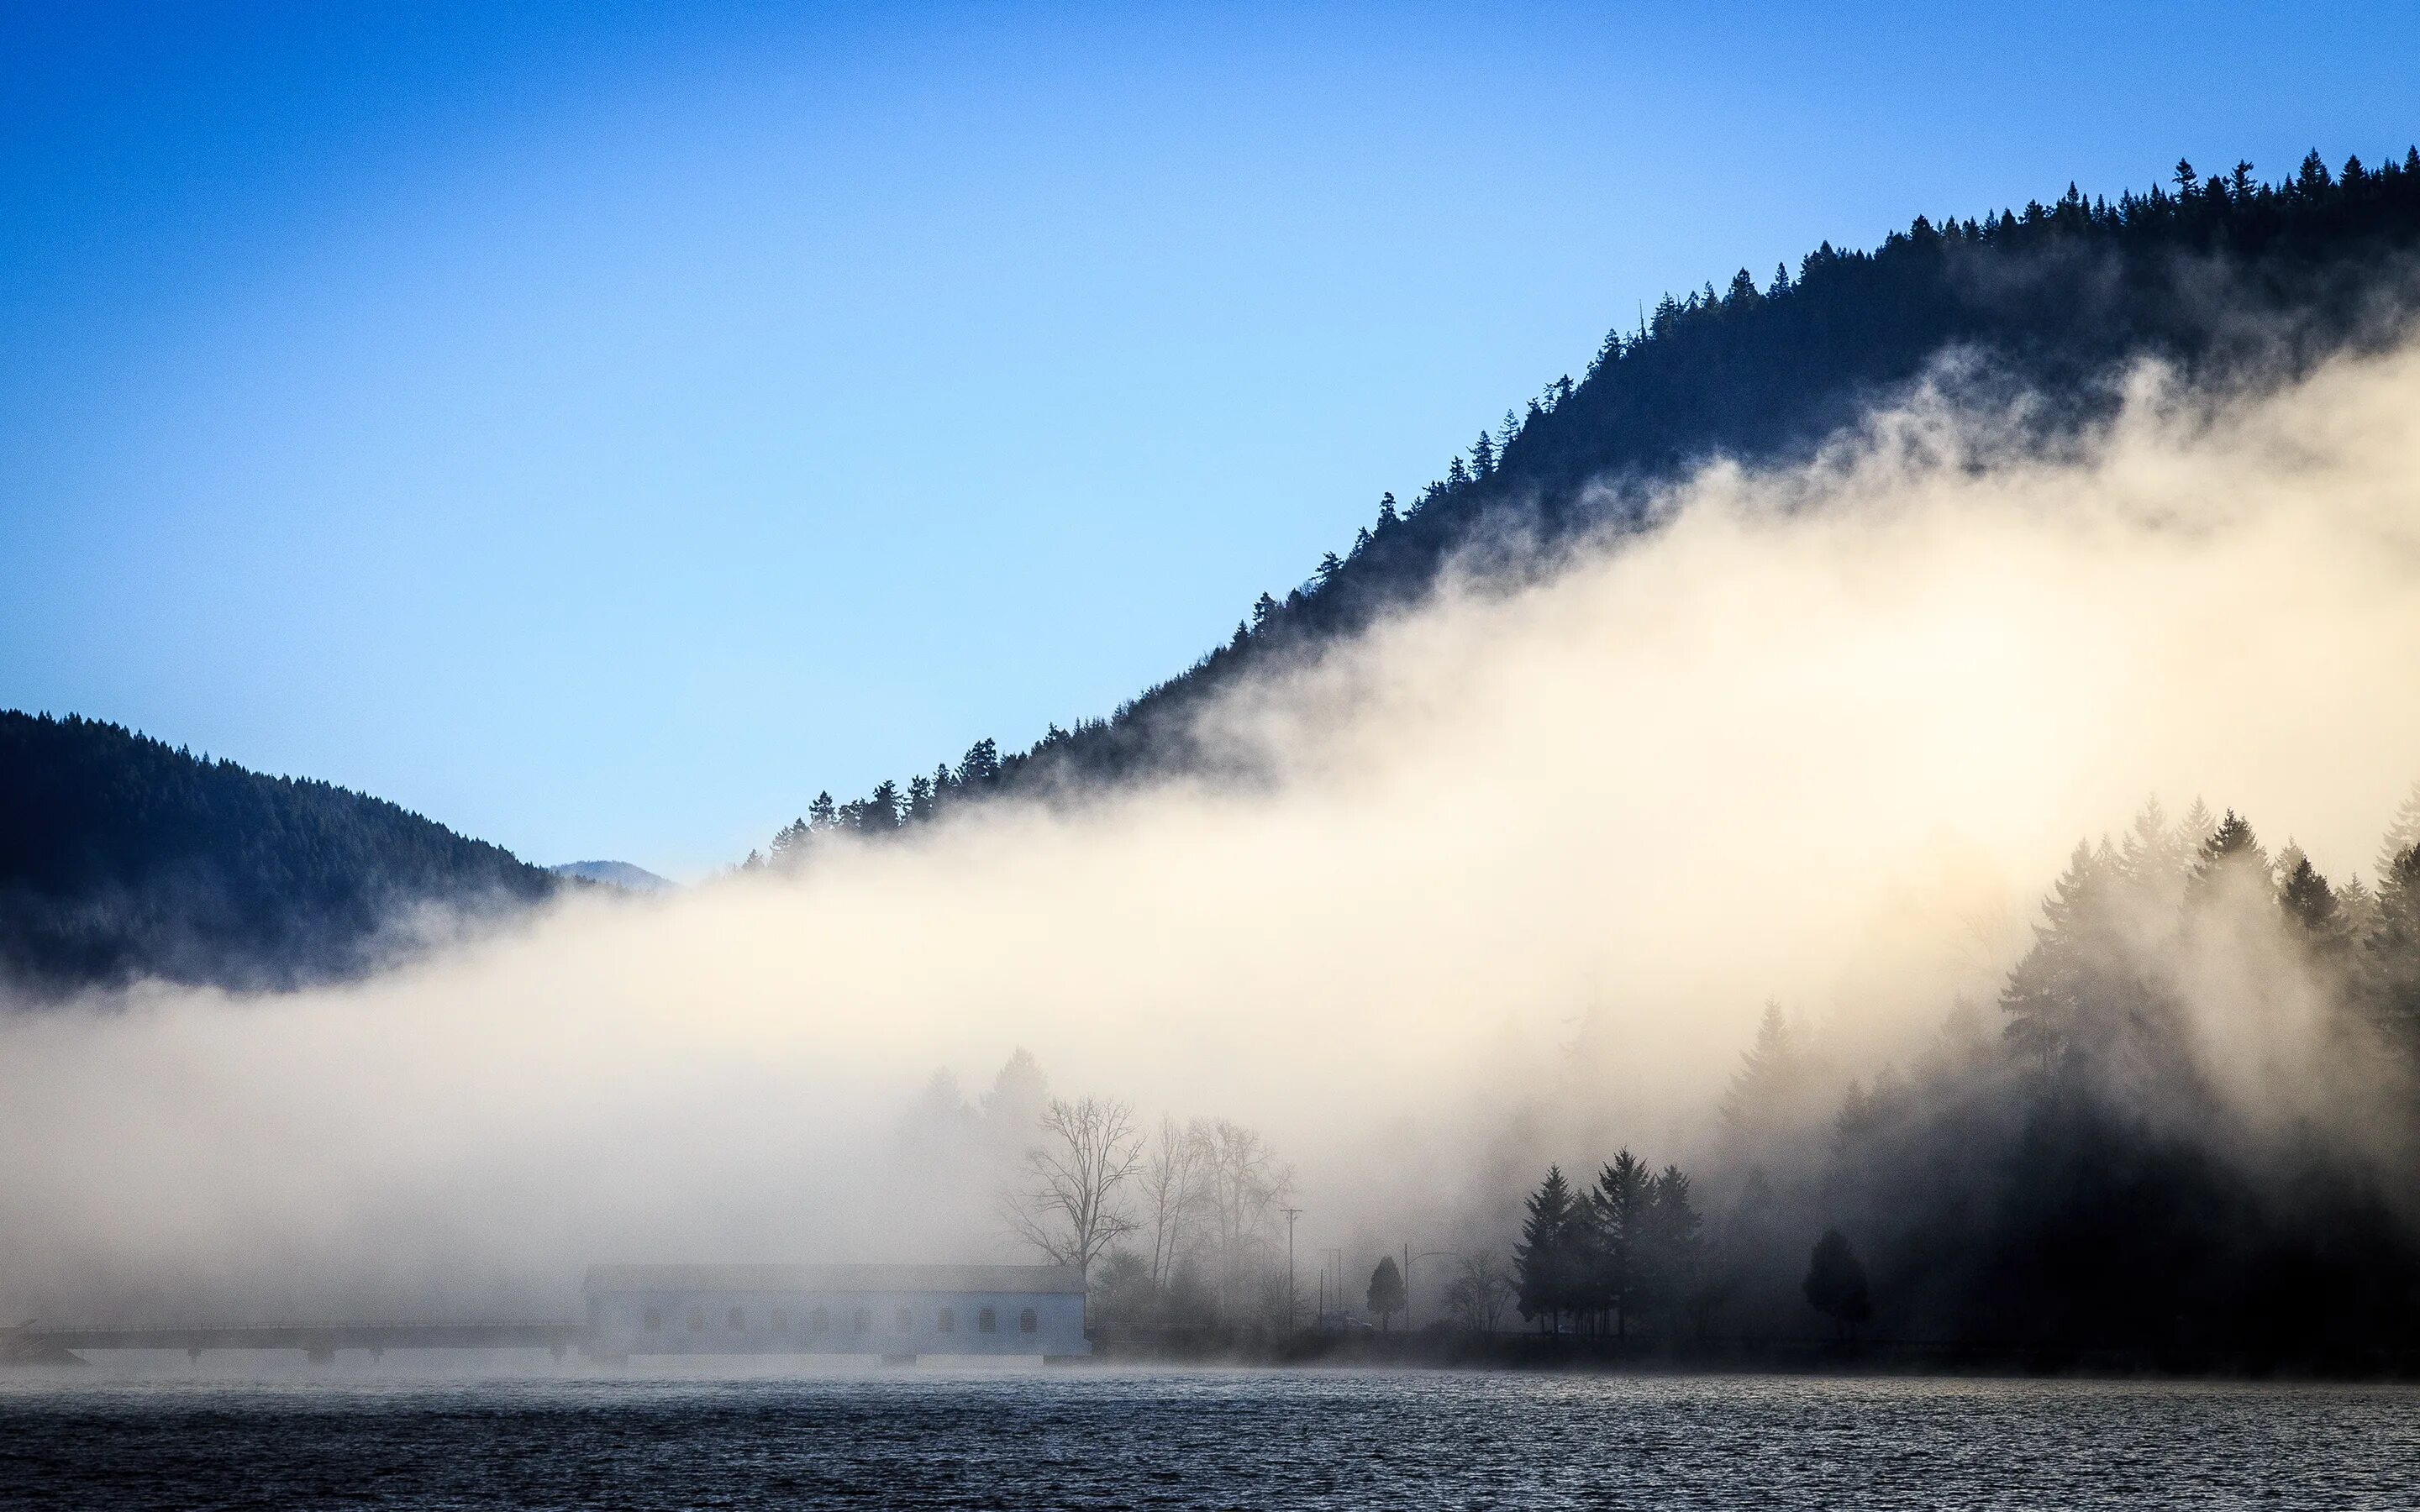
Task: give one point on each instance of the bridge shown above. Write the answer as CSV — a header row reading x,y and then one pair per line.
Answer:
x,y
30,1343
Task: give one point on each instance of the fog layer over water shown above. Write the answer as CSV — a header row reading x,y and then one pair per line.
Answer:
x,y
1526,866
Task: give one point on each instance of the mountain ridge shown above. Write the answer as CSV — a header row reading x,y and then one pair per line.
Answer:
x,y
2230,280
124,857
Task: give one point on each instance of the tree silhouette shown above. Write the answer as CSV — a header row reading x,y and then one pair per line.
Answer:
x,y
1387,1294
1836,1283
1072,1205
1544,1261
1618,1236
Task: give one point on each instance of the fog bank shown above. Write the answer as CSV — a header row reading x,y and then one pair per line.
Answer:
x,y
1531,862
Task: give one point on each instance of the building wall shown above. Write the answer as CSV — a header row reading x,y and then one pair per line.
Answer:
x,y
851,1322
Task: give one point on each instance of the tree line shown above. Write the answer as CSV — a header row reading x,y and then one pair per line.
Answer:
x,y
2227,277
2189,1138
124,857
1626,1248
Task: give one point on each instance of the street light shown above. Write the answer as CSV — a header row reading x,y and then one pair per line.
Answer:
x,y
1291,1214
1424,1255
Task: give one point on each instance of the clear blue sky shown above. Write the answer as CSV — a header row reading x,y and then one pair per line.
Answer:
x,y
600,426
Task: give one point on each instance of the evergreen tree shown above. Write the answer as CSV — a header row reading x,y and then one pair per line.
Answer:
x,y
1386,1295
2311,907
2230,857
2154,860
1542,1262
2402,832
980,767
1675,1243
2058,997
1619,1213
2393,950
1836,1283
1771,1066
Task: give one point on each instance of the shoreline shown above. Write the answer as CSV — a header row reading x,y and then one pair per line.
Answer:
x,y
1585,1355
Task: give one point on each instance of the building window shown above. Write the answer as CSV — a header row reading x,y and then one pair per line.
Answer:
x,y
696,1320
819,1321
948,1321
907,1321
654,1319
1027,1322
864,1321
987,1321
780,1320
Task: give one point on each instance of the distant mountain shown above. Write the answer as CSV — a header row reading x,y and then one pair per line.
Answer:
x,y
2231,280
122,857
616,874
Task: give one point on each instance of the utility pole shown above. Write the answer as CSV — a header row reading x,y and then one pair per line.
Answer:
x,y
1291,1214
1407,1288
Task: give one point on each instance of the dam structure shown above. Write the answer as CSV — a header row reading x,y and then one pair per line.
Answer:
x,y
896,1313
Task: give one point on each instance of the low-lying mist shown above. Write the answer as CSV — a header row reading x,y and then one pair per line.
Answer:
x,y
1530,864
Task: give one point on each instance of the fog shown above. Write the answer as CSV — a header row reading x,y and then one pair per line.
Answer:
x,y
1528,863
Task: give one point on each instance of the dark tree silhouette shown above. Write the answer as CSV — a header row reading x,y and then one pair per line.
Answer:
x,y
1387,1294
1836,1283
1545,1262
1618,1238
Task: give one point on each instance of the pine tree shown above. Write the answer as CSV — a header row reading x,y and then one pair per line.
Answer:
x,y
1675,1243
980,767
2392,952
1618,1208
2052,993
1768,1088
2230,860
2402,832
1387,1294
2154,860
2311,907
1542,1261
1836,1283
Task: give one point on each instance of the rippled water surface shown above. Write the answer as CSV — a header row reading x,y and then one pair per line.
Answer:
x,y
1079,1437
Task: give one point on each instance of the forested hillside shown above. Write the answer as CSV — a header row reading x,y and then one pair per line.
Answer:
x,y
122,857
2230,279
2185,1136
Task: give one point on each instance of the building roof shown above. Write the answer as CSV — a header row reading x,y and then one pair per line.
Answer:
x,y
1031,1278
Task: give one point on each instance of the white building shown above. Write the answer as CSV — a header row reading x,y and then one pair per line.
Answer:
x,y
895,1311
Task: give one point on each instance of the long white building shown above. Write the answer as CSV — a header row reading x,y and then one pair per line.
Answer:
x,y
894,1311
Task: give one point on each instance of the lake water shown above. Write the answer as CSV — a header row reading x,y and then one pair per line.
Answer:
x,y
1098,1438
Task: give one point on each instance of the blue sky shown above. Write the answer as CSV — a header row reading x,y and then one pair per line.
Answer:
x,y
599,428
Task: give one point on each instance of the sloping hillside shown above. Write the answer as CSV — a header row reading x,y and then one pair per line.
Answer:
x,y
122,857
2231,280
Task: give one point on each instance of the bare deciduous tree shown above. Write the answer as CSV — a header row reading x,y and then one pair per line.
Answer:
x,y
1171,1190
1243,1185
1070,1207
1481,1291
